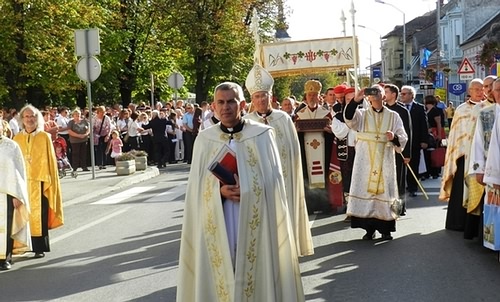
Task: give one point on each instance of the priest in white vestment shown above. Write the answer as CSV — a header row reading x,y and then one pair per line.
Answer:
x,y
14,202
259,84
374,199
237,240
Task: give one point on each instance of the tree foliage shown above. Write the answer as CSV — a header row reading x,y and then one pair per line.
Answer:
x,y
207,41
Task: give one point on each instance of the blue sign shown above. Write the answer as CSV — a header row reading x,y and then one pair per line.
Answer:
x,y
376,72
457,88
439,83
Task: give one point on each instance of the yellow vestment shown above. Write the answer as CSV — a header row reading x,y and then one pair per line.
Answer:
x,y
41,169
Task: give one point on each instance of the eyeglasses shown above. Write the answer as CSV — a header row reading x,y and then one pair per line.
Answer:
x,y
29,116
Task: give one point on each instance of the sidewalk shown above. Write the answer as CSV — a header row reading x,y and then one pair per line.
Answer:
x,y
83,187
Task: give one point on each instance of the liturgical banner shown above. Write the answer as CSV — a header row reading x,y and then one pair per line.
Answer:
x,y
311,56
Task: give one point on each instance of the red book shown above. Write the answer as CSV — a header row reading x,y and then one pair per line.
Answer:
x,y
224,166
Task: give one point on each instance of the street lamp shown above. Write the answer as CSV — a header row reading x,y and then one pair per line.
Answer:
x,y
381,58
404,37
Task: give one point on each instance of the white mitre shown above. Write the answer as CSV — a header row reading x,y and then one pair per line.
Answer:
x,y
259,79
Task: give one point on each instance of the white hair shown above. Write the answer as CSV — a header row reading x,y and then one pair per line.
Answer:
x,y
39,118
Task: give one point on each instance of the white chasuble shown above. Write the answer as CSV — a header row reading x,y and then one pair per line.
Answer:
x,y
266,263
291,163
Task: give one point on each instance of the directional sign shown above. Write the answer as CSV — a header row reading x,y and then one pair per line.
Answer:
x,y
466,67
457,88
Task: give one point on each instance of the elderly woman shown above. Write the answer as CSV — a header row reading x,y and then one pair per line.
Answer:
x,y
79,131
102,130
43,182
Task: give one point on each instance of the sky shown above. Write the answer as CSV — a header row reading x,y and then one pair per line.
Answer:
x,y
317,19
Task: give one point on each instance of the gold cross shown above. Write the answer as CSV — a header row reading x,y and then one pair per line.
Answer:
x,y
315,144
375,173
377,137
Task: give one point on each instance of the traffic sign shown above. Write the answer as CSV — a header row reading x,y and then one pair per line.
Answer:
x,y
83,71
175,80
466,67
457,88
466,76
494,69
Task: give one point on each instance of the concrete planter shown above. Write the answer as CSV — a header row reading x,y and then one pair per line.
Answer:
x,y
125,167
141,163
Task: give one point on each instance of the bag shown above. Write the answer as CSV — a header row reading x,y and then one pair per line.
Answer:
x,y
397,206
437,157
126,137
422,168
491,225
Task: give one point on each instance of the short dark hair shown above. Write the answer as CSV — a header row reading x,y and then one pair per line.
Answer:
x,y
392,88
430,99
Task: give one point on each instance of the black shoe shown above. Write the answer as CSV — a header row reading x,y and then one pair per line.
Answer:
x,y
369,236
413,194
386,237
85,170
5,266
39,255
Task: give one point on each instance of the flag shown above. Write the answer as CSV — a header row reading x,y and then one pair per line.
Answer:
x,y
425,54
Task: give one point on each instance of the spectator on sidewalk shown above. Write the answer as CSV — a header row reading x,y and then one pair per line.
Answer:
x,y
44,189
14,201
158,125
62,121
13,122
50,126
102,130
79,131
239,237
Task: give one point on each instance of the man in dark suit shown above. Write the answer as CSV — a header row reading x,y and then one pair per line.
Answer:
x,y
420,134
391,97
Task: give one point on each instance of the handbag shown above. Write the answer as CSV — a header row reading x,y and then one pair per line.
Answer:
x,y
491,224
437,157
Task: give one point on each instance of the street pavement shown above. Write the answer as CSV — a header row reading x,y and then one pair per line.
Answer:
x,y
424,262
87,186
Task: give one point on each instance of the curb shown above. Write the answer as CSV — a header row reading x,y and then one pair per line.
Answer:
x,y
151,172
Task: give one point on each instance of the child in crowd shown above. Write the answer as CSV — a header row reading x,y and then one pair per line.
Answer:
x,y
115,145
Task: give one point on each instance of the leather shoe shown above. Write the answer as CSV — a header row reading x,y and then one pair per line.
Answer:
x,y
5,266
369,236
39,255
386,237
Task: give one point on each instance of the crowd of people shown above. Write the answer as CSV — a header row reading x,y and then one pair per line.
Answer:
x,y
301,156
291,159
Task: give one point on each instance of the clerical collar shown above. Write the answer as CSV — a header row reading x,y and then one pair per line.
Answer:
x,y
214,119
30,132
233,130
378,110
268,113
472,102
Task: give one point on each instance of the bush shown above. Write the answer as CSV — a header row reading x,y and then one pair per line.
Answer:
x,y
125,156
137,153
